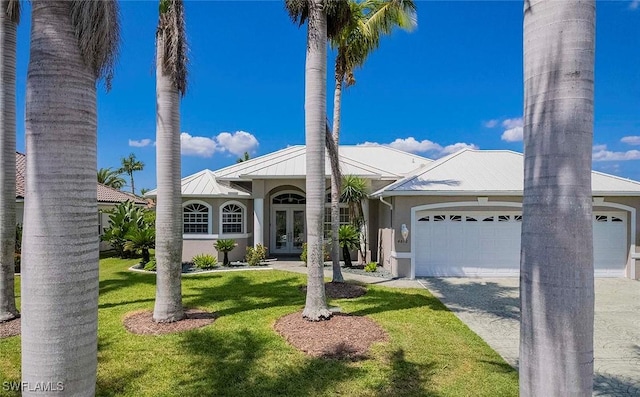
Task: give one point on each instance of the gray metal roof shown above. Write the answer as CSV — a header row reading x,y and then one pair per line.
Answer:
x,y
204,184
488,172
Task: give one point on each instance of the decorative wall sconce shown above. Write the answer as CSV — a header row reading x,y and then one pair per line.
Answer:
x,y
404,231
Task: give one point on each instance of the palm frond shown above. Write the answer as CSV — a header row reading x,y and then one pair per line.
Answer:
x,y
97,27
13,11
384,15
172,33
338,16
298,10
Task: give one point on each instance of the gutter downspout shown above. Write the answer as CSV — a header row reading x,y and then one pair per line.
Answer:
x,y
389,204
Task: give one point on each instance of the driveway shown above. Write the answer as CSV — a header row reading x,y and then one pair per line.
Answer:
x,y
490,307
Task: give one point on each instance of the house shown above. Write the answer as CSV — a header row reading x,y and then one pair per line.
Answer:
x,y
460,214
108,197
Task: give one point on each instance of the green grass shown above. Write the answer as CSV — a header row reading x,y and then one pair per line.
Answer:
x,y
430,352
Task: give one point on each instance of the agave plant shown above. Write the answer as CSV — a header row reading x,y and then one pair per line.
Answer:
x,y
225,246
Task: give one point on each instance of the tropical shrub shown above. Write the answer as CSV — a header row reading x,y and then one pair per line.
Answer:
x,y
256,255
123,219
225,246
151,265
140,240
326,252
349,239
371,267
204,261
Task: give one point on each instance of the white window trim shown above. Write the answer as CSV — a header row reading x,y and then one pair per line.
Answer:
x,y
209,220
244,219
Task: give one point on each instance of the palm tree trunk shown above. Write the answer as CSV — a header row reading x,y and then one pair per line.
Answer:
x,y
556,281
335,187
8,27
60,252
315,127
133,188
168,306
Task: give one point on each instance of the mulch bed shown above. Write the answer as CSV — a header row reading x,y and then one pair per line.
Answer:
x,y
341,290
10,328
141,322
341,337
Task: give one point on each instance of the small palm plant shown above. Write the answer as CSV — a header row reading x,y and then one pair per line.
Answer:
x,y
141,240
225,246
349,239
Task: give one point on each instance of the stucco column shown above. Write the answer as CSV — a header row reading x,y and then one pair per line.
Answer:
x,y
258,221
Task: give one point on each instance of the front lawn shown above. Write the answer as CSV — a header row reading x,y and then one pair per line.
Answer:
x,y
430,352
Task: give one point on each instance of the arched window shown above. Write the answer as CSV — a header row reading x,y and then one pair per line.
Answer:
x,y
195,218
232,218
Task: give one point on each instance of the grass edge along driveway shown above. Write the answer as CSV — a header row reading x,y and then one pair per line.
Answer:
x,y
429,353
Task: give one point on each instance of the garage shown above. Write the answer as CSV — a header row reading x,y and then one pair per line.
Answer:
x,y
487,244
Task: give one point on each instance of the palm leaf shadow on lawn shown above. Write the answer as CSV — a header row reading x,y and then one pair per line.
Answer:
x,y
233,364
114,383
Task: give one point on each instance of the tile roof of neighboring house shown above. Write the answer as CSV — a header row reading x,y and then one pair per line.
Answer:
x,y
372,162
204,184
490,172
106,194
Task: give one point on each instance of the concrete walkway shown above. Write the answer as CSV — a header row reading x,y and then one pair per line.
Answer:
x,y
490,307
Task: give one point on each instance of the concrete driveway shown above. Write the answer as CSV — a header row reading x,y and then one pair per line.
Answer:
x,y
490,307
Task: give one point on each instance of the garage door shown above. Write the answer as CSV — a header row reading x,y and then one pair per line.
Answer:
x,y
488,244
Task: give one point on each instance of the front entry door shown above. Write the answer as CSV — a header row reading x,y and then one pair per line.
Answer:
x,y
288,231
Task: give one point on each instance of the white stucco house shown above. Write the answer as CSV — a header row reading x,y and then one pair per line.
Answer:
x,y
463,212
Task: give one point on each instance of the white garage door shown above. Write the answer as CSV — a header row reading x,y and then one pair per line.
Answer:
x,y
488,244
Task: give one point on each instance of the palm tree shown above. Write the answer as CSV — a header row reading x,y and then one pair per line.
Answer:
x,y
556,279
9,18
111,178
354,192
129,166
73,44
141,239
243,158
171,84
225,246
315,12
360,36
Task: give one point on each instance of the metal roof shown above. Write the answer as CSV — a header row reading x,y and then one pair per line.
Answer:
x,y
488,172
204,184
372,162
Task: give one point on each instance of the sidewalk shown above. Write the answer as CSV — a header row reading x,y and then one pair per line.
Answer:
x,y
299,267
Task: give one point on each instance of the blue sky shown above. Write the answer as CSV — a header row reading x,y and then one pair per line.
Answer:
x,y
455,81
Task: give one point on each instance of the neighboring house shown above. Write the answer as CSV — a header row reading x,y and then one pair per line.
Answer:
x,y
108,197
462,212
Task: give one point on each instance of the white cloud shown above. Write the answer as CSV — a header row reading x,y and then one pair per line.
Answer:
x,y
491,123
513,123
631,140
457,146
140,143
600,153
199,146
412,145
237,143
634,4
512,134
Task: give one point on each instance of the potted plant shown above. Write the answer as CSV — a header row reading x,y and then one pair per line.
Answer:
x,y
225,246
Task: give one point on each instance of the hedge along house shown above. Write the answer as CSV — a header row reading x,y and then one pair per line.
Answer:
x,y
107,197
463,214
262,200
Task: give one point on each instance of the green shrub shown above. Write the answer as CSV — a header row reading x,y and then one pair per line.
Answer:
x,y
371,267
326,252
204,261
349,238
151,265
256,255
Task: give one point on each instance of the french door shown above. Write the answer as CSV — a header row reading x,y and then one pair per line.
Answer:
x,y
288,231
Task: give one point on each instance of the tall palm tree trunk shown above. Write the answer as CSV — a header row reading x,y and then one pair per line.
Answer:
x,y
8,27
315,114
60,251
556,281
168,305
335,187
